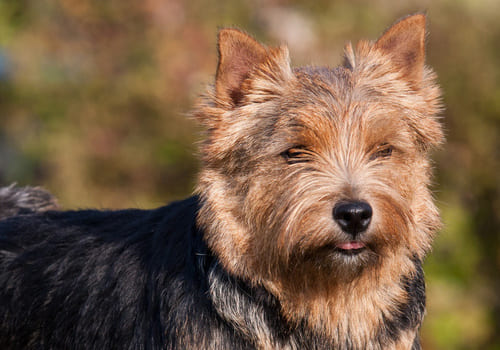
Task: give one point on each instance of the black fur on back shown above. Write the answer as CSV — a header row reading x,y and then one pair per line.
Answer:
x,y
136,279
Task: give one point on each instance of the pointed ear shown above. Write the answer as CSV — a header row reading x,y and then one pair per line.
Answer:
x,y
239,55
404,42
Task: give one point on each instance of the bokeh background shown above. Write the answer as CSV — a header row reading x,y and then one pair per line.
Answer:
x,y
95,98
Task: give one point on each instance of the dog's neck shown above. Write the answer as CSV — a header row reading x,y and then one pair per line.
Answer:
x,y
323,321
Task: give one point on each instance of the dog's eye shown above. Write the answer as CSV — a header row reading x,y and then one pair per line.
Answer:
x,y
382,151
298,154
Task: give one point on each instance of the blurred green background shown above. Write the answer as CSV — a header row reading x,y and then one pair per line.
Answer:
x,y
95,96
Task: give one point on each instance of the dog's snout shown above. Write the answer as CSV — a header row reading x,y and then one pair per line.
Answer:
x,y
353,217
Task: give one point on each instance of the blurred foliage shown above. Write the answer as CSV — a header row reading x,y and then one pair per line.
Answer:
x,y
94,97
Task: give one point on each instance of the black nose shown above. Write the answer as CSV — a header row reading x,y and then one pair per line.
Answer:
x,y
353,217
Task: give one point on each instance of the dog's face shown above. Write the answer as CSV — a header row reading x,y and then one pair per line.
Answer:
x,y
313,175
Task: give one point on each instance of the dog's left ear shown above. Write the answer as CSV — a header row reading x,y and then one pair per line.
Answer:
x,y
241,57
404,42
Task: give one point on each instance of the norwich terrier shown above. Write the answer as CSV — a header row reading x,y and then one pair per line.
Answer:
x,y
308,230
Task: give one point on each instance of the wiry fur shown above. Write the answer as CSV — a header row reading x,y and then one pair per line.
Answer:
x,y
24,200
253,261
270,222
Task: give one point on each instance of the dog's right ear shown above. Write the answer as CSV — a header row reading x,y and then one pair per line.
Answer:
x,y
404,42
242,57
239,54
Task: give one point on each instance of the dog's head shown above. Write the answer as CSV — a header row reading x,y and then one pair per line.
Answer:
x,y
313,175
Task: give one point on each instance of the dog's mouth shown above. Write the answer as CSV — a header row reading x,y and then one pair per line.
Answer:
x,y
345,249
350,248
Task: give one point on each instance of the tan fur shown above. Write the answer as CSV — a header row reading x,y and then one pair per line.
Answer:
x,y
270,222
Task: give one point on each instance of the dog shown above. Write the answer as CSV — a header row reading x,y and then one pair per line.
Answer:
x,y
307,230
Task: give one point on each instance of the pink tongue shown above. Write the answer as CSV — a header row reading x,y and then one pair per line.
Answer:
x,y
350,245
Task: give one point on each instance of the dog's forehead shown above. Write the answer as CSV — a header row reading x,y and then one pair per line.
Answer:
x,y
341,93
324,84
331,100
323,75
323,91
